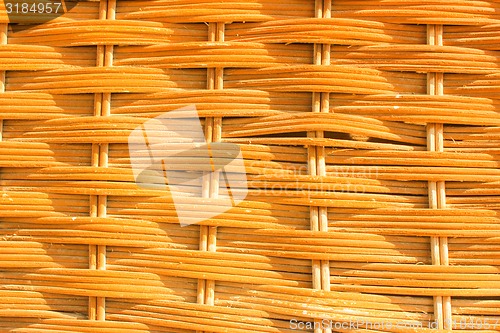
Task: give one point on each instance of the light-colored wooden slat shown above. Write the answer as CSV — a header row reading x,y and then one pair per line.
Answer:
x,y
437,190
100,153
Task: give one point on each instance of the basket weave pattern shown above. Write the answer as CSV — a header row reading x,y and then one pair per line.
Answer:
x,y
370,136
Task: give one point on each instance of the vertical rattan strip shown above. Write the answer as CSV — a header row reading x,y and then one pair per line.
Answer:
x,y
213,133
316,160
98,204
3,41
437,190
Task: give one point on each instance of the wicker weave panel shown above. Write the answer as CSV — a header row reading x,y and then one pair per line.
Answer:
x,y
369,136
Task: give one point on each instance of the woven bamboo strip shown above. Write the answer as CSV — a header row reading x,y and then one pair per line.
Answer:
x,y
229,11
313,30
483,38
362,168
99,32
436,12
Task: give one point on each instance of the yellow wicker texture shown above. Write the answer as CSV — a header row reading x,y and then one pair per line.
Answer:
x,y
370,134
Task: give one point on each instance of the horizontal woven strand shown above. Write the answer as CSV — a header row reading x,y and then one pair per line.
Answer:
x,y
98,79
484,37
452,109
379,158
360,307
338,79
322,142
210,54
209,11
73,325
326,122
100,32
31,57
332,31
457,12
227,313
418,58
